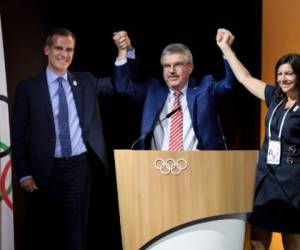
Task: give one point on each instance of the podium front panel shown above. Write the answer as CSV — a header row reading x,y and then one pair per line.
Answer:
x,y
160,190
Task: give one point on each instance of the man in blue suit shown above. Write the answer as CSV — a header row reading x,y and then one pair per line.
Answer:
x,y
200,128
55,133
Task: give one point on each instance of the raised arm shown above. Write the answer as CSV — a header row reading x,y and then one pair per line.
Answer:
x,y
125,70
123,44
224,40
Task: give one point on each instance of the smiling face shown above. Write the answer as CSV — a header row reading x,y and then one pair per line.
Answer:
x,y
60,53
287,79
176,70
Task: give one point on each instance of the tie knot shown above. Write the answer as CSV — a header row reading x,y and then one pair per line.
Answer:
x,y
177,93
60,80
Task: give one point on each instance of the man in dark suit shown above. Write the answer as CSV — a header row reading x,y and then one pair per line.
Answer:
x,y
195,124
55,132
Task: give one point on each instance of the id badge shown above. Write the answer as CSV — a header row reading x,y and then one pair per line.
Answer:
x,y
274,153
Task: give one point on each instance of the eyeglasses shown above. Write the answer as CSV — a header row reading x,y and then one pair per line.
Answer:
x,y
175,66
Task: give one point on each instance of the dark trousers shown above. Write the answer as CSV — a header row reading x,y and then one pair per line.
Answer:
x,y
57,215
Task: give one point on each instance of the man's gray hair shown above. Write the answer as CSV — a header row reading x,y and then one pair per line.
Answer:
x,y
177,48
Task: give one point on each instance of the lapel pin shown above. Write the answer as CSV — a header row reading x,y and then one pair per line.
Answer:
x,y
296,108
74,83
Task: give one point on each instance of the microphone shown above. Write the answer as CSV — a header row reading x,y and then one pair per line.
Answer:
x,y
168,115
143,136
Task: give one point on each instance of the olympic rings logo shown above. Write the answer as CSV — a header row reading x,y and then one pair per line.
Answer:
x,y
5,148
170,166
5,191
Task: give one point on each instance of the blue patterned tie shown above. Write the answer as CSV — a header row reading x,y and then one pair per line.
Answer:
x,y
63,121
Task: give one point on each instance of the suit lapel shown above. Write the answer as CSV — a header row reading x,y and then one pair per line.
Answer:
x,y
191,98
76,87
194,109
160,99
155,101
44,97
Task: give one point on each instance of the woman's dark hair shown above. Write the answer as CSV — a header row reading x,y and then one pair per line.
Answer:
x,y
58,31
294,60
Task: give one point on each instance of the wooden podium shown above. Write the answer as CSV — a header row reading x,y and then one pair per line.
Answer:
x,y
160,190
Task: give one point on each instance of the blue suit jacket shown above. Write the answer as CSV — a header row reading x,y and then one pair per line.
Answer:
x,y
33,129
201,99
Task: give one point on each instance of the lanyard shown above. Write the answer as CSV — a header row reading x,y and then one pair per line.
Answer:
x,y
282,122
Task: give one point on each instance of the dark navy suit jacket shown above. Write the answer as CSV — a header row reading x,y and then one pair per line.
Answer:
x,y
201,99
33,131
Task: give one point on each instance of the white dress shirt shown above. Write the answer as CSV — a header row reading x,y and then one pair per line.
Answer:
x,y
160,140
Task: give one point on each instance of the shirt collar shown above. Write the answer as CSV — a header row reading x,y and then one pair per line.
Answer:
x,y
52,77
183,90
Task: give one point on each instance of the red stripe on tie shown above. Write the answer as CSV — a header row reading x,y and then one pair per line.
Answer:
x,y
176,130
